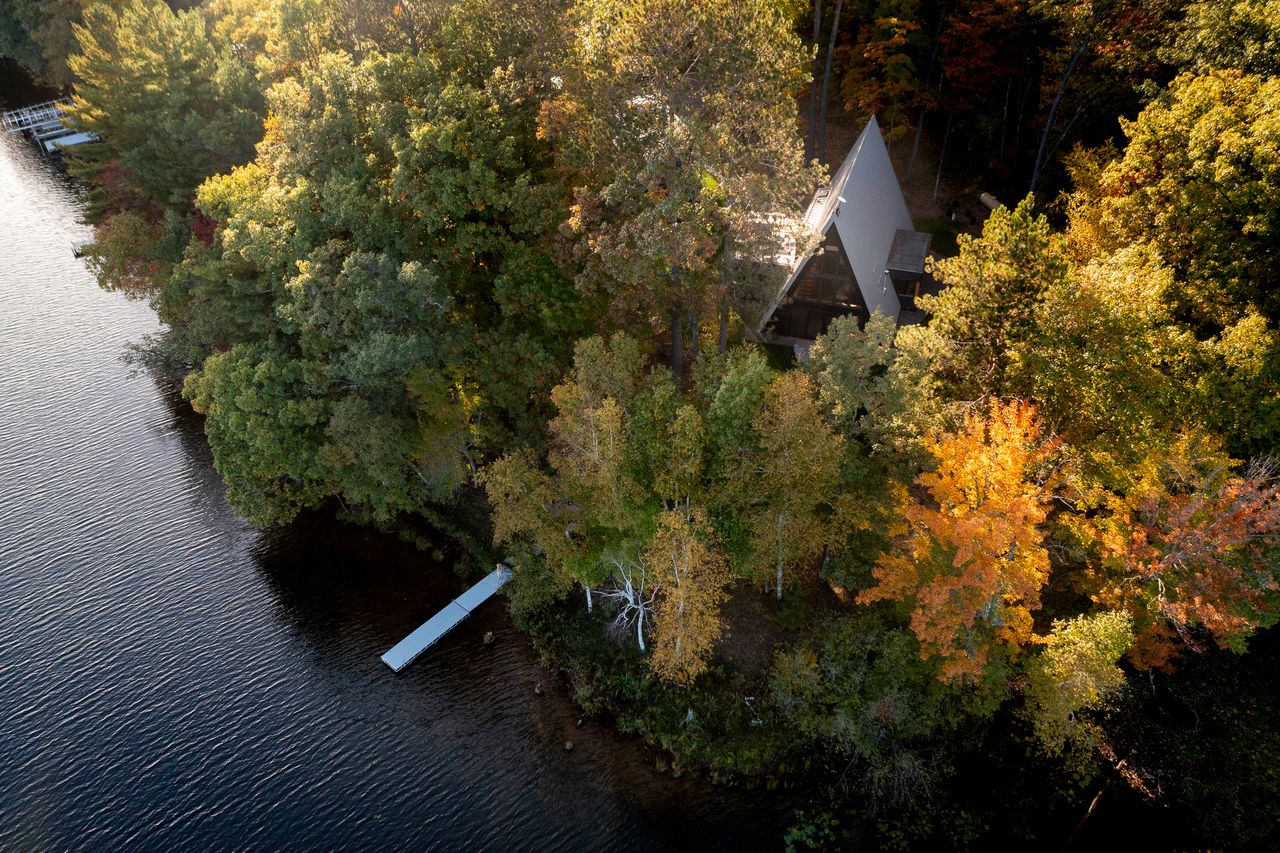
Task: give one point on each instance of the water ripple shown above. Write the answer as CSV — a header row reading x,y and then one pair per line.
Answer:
x,y
171,679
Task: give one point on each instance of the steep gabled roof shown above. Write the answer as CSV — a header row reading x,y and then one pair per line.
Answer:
x,y
864,203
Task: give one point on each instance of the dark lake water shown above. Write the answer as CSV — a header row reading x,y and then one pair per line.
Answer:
x,y
173,679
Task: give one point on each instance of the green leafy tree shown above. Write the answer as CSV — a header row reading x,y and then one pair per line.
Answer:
x,y
399,432
994,287
1075,674
266,429
669,443
38,34
875,394
383,429
212,300
477,36
527,508
1196,185
1197,182
785,488
859,688
170,107
365,165
676,124
734,388
590,505
1108,364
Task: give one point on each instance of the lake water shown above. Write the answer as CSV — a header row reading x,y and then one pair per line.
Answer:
x,y
174,679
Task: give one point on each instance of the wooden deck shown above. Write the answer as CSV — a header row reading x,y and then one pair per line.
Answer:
x,y
403,653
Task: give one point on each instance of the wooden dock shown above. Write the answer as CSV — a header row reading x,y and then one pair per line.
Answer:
x,y
403,653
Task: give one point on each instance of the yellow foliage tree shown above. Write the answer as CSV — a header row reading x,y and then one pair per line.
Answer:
x,y
969,557
789,481
590,500
691,577
588,452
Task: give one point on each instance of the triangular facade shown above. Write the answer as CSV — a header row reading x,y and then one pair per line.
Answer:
x,y
859,217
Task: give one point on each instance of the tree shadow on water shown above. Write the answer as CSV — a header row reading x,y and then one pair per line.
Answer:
x,y
343,585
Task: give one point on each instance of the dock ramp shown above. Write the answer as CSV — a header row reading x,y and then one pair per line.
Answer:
x,y
403,653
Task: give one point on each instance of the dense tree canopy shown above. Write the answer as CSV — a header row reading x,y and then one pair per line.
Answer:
x,y
171,104
478,265
676,123
1198,181
387,233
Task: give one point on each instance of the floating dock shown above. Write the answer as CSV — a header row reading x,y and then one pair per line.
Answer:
x,y
43,124
403,652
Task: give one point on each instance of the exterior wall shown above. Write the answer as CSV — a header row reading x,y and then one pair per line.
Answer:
x,y
872,213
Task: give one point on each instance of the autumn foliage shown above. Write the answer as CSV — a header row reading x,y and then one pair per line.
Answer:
x,y
970,558
786,485
416,283
692,577
1191,551
123,254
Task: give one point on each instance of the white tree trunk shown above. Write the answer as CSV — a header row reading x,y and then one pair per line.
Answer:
x,y
630,589
778,554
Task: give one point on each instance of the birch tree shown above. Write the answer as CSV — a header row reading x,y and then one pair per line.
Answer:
x,y
693,576
632,589
589,504
786,487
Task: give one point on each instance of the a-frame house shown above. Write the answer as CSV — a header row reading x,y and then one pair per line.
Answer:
x,y
869,258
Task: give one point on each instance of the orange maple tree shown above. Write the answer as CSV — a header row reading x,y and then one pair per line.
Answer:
x,y
969,557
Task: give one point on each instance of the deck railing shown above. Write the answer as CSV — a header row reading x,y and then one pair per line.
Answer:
x,y
26,118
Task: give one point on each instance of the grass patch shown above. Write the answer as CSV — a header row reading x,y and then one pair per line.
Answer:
x,y
944,233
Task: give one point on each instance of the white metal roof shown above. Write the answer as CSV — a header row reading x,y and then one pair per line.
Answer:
x,y
865,204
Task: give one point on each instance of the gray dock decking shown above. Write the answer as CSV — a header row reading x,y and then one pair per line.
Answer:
x,y
403,653
43,123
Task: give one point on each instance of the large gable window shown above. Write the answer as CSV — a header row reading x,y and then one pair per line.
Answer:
x,y
827,277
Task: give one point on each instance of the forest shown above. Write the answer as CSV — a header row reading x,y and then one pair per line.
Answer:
x,y
495,269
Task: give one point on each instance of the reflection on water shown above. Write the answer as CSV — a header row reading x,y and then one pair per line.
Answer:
x,y
171,678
